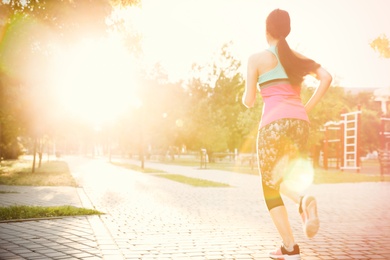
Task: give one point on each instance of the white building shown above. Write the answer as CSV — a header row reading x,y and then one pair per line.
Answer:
x,y
382,95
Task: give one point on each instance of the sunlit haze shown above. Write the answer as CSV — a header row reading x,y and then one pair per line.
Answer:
x,y
335,33
94,78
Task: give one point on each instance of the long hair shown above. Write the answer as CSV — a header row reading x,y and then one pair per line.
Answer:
x,y
278,26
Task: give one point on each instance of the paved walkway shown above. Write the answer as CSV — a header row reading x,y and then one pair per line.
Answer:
x,y
148,217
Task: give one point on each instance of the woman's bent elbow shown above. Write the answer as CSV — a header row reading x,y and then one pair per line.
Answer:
x,y
248,104
324,76
328,78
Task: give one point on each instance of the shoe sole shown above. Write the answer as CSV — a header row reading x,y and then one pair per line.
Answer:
x,y
312,223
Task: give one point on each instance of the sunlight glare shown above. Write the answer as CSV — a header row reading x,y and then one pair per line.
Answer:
x,y
298,174
179,123
95,80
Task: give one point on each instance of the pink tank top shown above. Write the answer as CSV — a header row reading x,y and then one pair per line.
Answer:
x,y
281,100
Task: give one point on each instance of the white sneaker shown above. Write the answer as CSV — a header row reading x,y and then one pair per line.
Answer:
x,y
311,222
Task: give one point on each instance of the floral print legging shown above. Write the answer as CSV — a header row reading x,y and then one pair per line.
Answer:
x,y
277,143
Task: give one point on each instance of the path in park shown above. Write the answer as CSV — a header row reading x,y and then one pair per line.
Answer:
x,y
148,217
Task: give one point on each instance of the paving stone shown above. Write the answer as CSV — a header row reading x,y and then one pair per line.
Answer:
x,y
154,218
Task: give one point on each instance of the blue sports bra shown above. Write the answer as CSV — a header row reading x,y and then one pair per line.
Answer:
x,y
277,72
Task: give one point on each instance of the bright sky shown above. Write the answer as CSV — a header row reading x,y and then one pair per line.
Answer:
x,y
94,78
334,33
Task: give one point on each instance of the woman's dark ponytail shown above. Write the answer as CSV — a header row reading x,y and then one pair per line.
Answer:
x,y
278,26
295,67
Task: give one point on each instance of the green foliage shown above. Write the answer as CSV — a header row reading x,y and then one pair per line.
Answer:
x,y
162,117
215,95
10,118
66,17
218,120
248,124
381,45
328,109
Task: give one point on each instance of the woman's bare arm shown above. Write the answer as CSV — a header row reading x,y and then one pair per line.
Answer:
x,y
249,97
325,80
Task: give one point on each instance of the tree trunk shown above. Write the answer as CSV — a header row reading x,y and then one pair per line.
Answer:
x,y
34,155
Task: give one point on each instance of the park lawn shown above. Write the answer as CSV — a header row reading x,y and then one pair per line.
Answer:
x,y
56,173
52,173
173,177
192,181
335,176
321,176
32,212
136,168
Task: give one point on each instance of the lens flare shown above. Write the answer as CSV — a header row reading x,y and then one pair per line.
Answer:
x,y
297,174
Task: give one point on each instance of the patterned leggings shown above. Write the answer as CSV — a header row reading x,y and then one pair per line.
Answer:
x,y
278,142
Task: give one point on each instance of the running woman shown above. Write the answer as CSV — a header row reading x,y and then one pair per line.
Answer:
x,y
277,73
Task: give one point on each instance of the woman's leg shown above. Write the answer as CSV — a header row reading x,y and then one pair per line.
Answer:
x,y
270,152
298,131
279,215
291,194
280,218
295,148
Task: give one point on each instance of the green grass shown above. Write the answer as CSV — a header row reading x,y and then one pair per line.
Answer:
x,y
335,176
192,181
54,173
18,172
137,168
29,212
183,162
174,177
321,176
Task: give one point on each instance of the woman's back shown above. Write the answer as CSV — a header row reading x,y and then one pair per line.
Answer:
x,y
272,69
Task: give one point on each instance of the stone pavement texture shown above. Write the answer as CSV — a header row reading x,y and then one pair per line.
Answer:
x,y
148,217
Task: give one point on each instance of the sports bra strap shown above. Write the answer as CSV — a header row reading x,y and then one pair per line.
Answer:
x,y
277,72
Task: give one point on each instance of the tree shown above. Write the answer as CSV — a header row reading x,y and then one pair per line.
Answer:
x,y
11,117
382,45
328,109
215,91
227,92
337,101
157,117
248,124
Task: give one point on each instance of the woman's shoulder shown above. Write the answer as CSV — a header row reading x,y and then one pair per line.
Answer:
x,y
262,61
261,56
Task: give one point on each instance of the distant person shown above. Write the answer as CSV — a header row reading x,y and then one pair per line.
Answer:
x,y
277,73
